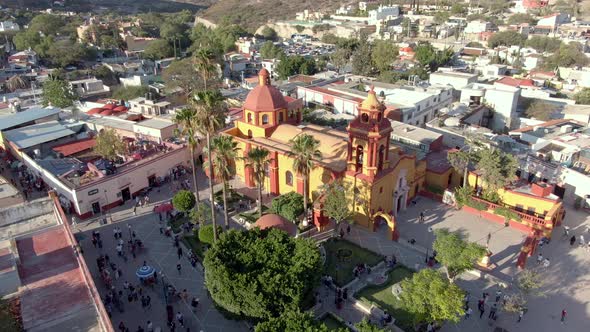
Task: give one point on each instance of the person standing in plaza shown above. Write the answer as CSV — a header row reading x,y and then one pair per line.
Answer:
x,y
179,252
179,268
498,295
468,313
520,314
563,316
482,309
493,310
421,216
180,318
546,263
572,240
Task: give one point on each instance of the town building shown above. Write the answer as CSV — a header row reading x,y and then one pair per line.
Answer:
x,y
458,80
8,26
385,179
26,58
502,99
89,88
149,106
478,26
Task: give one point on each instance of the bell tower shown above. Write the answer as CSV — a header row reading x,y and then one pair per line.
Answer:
x,y
369,135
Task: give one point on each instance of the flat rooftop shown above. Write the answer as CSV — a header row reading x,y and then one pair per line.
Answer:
x,y
413,133
36,134
110,122
20,118
155,124
56,296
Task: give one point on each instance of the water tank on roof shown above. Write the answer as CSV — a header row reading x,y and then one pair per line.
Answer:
x,y
452,122
443,110
566,129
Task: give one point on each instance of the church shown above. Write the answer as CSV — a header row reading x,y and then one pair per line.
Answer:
x,y
381,177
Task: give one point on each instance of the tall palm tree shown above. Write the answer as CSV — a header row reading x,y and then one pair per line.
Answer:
x,y
211,114
225,150
205,65
187,119
258,160
304,148
15,82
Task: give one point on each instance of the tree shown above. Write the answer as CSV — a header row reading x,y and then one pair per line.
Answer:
x,y
184,201
15,82
187,120
259,274
258,161
583,96
520,18
106,75
130,92
180,74
47,24
540,110
270,51
109,144
336,203
441,17
65,52
304,149
206,234
362,63
431,298
543,43
269,33
299,28
292,321
292,65
58,93
205,65
430,58
506,38
568,55
225,152
496,167
211,113
528,283
366,326
158,49
456,254
289,206
474,44
200,214
460,160
458,9
383,55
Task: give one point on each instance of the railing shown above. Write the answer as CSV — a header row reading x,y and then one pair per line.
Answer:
x,y
523,216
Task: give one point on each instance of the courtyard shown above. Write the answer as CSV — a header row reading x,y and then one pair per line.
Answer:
x,y
343,256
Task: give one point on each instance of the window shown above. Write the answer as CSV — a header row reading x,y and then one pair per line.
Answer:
x,y
381,157
418,109
289,178
365,118
359,157
249,133
265,119
280,117
249,117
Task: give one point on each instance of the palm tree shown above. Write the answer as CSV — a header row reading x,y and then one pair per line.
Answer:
x,y
187,119
211,114
226,150
15,82
205,65
304,148
258,161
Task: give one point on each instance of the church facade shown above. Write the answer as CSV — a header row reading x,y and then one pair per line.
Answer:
x,y
380,176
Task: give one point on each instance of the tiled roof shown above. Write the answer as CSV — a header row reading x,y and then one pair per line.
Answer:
x,y
69,149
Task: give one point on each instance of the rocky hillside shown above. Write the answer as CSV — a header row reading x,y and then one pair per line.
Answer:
x,y
251,14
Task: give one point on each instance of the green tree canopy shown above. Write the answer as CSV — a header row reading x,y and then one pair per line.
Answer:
x,y
362,63
432,298
292,321
506,38
262,273
431,58
336,202
540,110
299,28
269,33
520,18
474,44
366,326
289,206
583,96
456,254
184,201
543,44
383,54
458,9
496,167
47,24
206,233
568,55
130,92
65,52
158,49
182,74
291,65
58,93
109,144
270,51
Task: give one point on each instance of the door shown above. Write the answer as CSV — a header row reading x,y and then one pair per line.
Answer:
x,y
126,194
399,202
96,207
152,180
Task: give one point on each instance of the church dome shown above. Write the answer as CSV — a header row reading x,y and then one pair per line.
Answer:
x,y
371,102
265,97
276,221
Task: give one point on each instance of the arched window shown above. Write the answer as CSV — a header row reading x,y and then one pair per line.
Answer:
x,y
265,119
289,178
381,157
280,117
249,117
359,157
365,118
249,133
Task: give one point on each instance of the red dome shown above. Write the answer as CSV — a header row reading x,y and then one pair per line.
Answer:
x,y
106,112
109,106
94,111
276,221
265,97
120,109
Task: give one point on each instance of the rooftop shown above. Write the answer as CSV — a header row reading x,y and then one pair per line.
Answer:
x,y
155,123
36,134
69,149
413,133
20,118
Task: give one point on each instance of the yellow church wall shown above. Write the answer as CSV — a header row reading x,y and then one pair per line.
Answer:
x,y
240,162
441,180
286,164
243,128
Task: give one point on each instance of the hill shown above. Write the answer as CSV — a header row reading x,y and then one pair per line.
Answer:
x,y
251,14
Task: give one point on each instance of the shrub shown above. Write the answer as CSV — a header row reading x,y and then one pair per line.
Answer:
x,y
481,206
288,206
507,213
491,196
184,201
206,233
462,195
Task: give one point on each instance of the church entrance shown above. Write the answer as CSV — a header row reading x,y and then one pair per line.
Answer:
x,y
399,203
385,224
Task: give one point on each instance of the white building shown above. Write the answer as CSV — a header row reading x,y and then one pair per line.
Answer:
x,y
7,26
135,80
478,26
148,106
457,80
89,87
503,99
383,13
